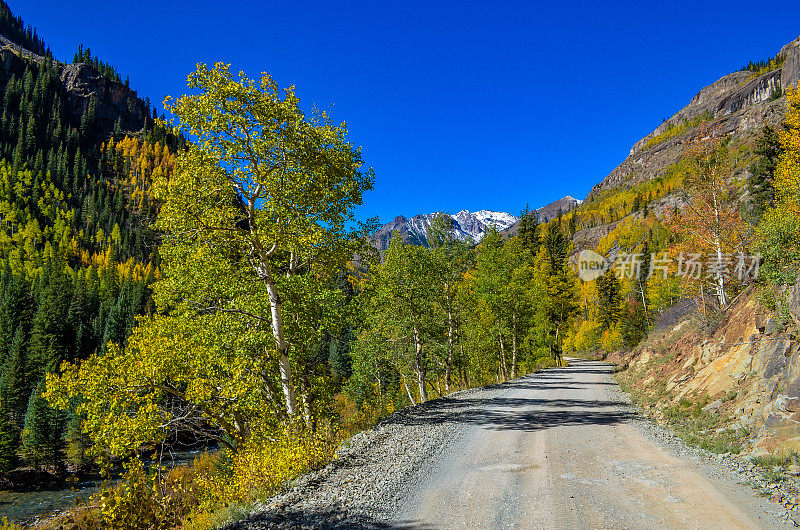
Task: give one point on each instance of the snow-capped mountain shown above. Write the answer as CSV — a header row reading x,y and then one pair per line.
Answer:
x,y
499,220
467,225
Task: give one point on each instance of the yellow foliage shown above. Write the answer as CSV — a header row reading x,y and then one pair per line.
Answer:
x,y
631,232
5,524
354,418
586,336
778,233
144,501
676,130
269,462
787,174
197,496
619,201
611,339
146,162
663,292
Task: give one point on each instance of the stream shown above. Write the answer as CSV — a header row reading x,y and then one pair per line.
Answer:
x,y
25,506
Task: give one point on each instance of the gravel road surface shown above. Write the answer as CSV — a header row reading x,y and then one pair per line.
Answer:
x,y
562,448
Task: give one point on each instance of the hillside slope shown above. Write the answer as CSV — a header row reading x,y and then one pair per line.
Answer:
x,y
724,374
741,369
78,149
738,105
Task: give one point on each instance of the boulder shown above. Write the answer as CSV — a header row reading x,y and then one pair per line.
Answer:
x,y
771,327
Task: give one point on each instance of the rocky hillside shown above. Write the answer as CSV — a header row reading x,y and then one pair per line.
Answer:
x,y
563,205
467,225
81,83
728,379
740,103
740,368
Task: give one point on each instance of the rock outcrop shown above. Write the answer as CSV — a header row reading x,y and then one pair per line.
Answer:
x,y
748,369
82,83
790,73
737,103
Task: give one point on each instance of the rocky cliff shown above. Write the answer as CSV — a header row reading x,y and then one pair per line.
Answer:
x,y
82,83
739,103
548,212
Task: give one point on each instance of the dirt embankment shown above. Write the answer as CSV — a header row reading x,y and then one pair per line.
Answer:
x,y
738,373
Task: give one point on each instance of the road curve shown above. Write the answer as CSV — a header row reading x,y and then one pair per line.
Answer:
x,y
559,449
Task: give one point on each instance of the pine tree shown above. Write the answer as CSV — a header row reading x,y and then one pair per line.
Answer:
x,y
49,337
562,292
532,243
633,323
42,434
556,245
608,290
339,356
15,387
8,444
761,183
15,310
77,443
522,231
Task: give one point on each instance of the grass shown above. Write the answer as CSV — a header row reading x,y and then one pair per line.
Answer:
x,y
777,460
687,419
702,429
773,466
665,356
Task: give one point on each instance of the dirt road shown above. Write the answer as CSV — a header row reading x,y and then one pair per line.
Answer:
x,y
558,449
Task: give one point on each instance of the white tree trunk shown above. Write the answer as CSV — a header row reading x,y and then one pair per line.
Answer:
x,y
449,365
419,366
503,364
408,390
283,348
514,350
718,244
720,278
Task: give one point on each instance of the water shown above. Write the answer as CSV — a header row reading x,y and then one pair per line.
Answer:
x,y
21,507
24,506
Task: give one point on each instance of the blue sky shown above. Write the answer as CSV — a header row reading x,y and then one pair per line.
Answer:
x,y
458,105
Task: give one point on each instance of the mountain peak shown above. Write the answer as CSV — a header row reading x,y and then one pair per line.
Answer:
x,y
467,225
548,212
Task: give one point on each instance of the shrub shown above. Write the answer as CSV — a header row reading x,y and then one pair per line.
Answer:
x,y
216,488
147,499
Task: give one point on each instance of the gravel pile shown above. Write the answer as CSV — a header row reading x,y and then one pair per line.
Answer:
x,y
371,474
